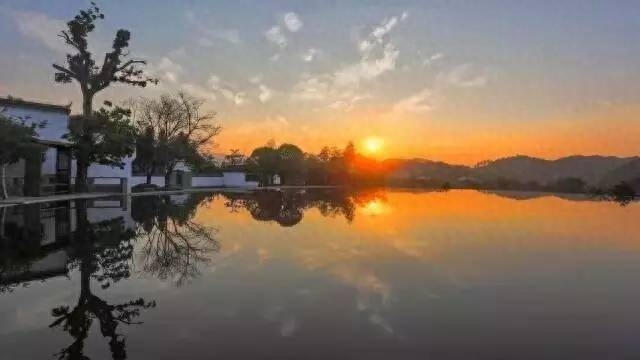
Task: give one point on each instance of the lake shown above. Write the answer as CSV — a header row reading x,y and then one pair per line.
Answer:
x,y
321,274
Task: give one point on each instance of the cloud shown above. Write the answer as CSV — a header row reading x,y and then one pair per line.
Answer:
x,y
310,54
419,102
231,36
199,91
311,88
431,59
270,127
166,69
462,76
347,104
292,22
265,93
226,90
39,27
377,55
385,27
256,79
275,57
274,35
368,67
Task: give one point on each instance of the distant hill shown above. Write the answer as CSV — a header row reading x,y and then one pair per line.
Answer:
x,y
425,169
594,170
628,172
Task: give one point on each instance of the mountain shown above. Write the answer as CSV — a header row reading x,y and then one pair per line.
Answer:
x,y
594,170
591,169
628,172
425,169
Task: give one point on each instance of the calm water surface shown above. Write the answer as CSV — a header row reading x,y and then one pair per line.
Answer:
x,y
321,275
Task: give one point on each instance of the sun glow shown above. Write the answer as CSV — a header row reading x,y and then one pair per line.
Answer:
x,y
375,207
373,145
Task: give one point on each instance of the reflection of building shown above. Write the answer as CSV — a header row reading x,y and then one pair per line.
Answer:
x,y
34,239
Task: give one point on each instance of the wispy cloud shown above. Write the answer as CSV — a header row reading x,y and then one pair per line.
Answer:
x,y
39,27
377,55
199,91
166,69
347,104
310,54
209,34
463,76
292,22
419,102
275,36
427,61
226,90
265,93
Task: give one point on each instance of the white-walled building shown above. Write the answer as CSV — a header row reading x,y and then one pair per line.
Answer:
x,y
58,170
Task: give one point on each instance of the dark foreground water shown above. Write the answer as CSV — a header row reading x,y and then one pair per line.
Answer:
x,y
321,275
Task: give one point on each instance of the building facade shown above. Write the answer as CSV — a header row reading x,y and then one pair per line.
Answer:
x,y
56,171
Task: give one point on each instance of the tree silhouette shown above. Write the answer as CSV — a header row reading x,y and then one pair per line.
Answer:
x,y
102,252
92,78
174,246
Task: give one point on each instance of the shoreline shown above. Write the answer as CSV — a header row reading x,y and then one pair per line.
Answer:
x,y
68,197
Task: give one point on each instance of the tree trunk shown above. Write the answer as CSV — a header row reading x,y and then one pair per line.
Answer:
x,y
81,156
4,182
150,173
167,178
81,175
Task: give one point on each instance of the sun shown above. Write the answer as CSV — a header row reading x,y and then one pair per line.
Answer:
x,y
373,144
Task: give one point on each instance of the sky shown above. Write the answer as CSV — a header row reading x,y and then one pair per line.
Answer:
x,y
457,81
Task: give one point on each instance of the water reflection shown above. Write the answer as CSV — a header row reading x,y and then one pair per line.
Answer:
x,y
456,275
174,246
287,208
96,240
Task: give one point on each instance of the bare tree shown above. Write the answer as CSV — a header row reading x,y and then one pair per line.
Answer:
x,y
182,131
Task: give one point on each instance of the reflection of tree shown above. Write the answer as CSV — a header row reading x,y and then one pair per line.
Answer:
x,y
175,246
287,207
101,251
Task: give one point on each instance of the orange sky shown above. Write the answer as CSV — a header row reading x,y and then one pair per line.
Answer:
x,y
607,131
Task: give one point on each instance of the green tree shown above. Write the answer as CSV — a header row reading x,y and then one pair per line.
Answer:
x,y
16,142
263,162
105,138
92,78
146,154
290,164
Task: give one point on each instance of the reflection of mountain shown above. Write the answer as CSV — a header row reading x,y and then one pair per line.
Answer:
x,y
594,170
287,207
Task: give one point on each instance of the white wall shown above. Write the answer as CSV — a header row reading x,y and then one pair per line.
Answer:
x,y
237,179
49,164
207,181
137,180
56,121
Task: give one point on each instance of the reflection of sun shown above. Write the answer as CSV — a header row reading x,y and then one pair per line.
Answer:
x,y
375,207
373,144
